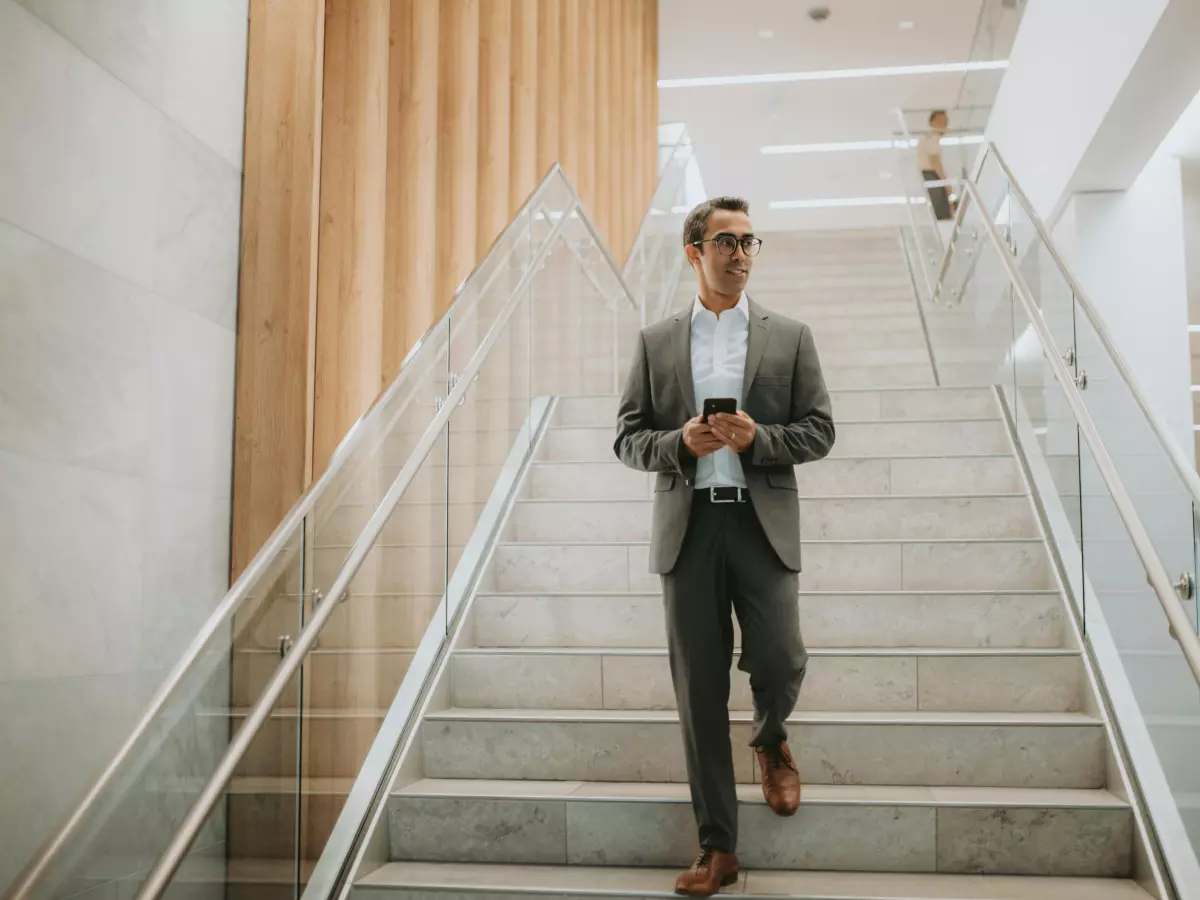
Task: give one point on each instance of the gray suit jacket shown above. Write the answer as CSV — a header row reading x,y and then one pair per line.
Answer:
x,y
783,391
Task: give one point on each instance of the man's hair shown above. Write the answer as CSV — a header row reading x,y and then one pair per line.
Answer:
x,y
937,112
696,223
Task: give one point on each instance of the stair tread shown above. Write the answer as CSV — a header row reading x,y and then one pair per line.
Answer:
x,y
916,717
822,794
969,592
647,882
1007,495
972,652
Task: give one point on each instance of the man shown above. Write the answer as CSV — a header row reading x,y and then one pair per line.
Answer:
x,y
929,161
726,529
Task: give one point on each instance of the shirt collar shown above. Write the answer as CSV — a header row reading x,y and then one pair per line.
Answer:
x,y
743,307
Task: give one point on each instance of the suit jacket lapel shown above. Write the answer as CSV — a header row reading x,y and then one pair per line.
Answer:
x,y
681,343
760,329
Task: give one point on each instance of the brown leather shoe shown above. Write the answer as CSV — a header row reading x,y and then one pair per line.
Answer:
x,y
711,871
780,779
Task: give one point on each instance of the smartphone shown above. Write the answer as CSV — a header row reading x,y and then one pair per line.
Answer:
x,y
719,405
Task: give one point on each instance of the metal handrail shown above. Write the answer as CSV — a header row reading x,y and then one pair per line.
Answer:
x,y
1164,589
265,558
172,856
1185,471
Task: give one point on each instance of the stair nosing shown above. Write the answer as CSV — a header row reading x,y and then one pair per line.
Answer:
x,y
830,652
671,717
751,794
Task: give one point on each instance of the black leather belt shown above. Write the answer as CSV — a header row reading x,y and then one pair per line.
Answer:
x,y
727,494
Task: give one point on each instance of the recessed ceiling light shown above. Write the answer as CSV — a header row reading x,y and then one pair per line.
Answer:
x,y
908,25
834,202
885,175
834,74
844,146
766,34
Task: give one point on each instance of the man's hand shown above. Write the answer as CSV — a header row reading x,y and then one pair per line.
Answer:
x,y
699,439
735,432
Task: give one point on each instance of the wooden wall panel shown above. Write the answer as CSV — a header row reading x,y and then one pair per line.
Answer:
x,y
278,278
495,68
353,215
523,128
413,187
411,232
458,145
549,63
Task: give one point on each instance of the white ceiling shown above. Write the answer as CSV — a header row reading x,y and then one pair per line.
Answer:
x,y
730,124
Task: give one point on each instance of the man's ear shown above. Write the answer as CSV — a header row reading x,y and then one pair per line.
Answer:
x,y
693,253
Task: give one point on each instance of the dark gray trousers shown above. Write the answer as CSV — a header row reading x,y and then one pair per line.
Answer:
x,y
727,564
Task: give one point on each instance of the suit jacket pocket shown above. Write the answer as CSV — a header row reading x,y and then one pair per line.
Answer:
x,y
773,380
783,480
664,482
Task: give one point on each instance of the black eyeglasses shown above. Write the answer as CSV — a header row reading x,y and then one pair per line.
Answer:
x,y
727,244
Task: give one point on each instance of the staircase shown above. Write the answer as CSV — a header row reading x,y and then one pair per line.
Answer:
x,y
947,734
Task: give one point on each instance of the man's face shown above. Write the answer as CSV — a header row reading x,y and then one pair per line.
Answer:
x,y
939,123
724,274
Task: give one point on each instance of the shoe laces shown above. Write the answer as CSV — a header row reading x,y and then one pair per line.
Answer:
x,y
778,759
702,861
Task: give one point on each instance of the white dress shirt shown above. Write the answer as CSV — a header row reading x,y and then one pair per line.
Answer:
x,y
718,367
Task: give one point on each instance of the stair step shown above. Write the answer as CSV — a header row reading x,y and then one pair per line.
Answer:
x,y
1057,750
916,829
821,518
883,565
896,438
874,680
914,477
481,881
833,619
861,405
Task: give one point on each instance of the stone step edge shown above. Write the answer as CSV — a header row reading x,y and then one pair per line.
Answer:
x,y
737,717
638,883
828,652
811,794
614,462
897,389
839,422
532,501
804,542
624,595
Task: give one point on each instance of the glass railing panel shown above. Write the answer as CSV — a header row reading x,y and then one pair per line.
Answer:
x,y
971,331
364,649
1125,615
1161,498
165,768
927,244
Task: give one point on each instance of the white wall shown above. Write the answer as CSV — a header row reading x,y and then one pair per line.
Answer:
x,y
1128,254
1069,62
120,183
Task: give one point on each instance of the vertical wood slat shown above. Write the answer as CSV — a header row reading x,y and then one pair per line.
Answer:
x,y
495,109
353,217
621,137
587,99
458,145
548,74
651,65
277,288
570,118
524,109
604,100
410,235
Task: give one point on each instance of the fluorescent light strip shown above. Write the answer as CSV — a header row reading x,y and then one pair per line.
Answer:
x,y
834,202
834,74
844,146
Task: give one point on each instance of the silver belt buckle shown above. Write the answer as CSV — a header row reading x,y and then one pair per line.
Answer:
x,y
712,496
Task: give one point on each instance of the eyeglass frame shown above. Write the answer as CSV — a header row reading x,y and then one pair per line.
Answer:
x,y
756,243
